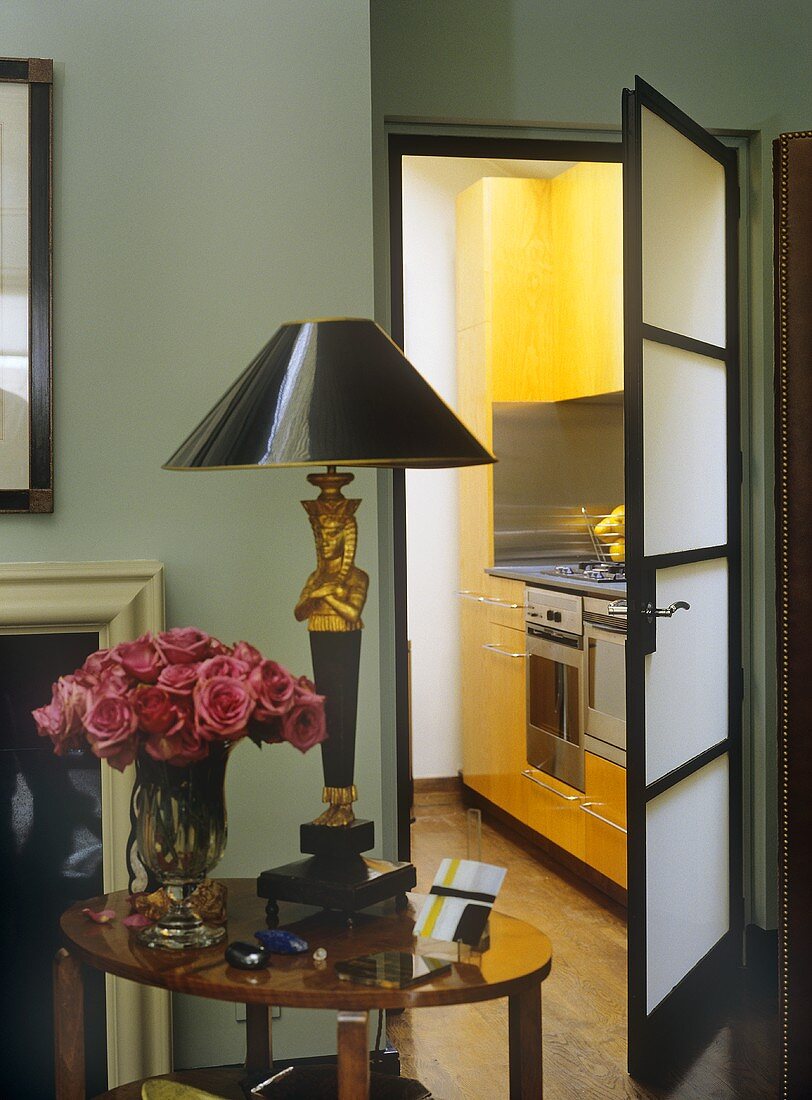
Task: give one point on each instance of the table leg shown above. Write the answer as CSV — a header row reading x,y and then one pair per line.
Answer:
x,y
353,1056
524,1030
258,1042
69,1027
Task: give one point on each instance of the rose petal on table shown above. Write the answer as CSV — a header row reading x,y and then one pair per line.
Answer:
x,y
100,916
137,920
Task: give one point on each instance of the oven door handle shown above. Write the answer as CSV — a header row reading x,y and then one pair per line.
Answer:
x,y
495,648
567,797
587,808
606,628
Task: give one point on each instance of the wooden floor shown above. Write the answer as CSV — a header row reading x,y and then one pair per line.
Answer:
x,y
460,1053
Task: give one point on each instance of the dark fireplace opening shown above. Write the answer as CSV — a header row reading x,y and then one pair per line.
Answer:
x,y
50,856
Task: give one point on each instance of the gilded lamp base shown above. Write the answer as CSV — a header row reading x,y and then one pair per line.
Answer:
x,y
339,811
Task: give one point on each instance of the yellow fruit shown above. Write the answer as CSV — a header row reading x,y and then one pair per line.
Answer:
x,y
612,526
617,551
607,530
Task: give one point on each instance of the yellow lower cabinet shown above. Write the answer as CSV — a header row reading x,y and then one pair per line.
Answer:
x,y
478,734
604,810
553,810
505,678
493,706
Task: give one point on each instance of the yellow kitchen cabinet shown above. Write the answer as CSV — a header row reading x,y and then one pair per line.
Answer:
x,y
587,227
554,811
493,706
539,289
604,810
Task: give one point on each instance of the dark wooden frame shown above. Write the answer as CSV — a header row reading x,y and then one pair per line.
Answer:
x,y
37,73
792,165
665,1029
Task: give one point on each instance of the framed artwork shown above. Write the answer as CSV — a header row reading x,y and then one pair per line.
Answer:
x,y
41,602
26,435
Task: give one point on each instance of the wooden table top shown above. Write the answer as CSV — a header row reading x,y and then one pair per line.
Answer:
x,y
519,956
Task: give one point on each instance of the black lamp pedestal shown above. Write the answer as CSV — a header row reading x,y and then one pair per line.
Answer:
x,y
336,875
349,884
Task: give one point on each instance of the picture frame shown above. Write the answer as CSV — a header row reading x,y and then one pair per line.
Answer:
x,y
117,601
26,282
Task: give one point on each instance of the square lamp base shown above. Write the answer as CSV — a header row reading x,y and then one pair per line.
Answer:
x,y
349,884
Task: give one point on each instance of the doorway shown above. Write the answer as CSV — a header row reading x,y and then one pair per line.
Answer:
x,y
402,145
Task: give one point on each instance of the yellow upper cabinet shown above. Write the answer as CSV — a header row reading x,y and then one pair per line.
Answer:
x,y
588,285
539,294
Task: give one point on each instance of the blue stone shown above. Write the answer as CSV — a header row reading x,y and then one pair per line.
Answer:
x,y
279,942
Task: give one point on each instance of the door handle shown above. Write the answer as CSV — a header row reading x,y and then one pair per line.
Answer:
x,y
652,612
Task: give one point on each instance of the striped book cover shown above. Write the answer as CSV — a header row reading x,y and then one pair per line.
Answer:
x,y
460,901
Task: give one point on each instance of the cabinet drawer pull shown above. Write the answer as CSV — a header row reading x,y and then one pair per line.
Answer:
x,y
587,808
538,782
494,648
502,603
468,594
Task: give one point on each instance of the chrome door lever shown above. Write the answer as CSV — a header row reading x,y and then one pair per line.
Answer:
x,y
652,612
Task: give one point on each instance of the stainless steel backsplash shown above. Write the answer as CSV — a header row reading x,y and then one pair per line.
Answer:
x,y
554,459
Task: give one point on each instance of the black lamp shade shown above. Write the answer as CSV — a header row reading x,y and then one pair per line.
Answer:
x,y
334,392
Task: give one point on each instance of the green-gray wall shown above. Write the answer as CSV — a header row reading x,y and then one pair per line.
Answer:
x,y
734,65
212,180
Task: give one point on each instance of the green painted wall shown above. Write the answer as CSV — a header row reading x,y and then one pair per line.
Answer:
x,y
212,180
733,65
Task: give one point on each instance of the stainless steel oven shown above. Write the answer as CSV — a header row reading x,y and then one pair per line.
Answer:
x,y
555,671
605,679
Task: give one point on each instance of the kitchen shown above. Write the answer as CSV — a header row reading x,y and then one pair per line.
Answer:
x,y
513,276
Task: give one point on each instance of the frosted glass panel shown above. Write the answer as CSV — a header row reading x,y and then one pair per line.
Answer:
x,y
683,234
687,876
684,450
687,677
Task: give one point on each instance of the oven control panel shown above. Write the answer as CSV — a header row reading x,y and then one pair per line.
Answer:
x,y
554,610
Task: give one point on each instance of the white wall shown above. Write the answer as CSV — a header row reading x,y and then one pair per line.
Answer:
x,y
430,187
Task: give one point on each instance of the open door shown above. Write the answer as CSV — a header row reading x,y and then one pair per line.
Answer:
x,y
683,485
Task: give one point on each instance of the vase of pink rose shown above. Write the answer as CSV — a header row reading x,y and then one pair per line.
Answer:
x,y
176,704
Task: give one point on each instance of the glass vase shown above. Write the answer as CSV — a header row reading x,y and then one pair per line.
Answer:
x,y
181,835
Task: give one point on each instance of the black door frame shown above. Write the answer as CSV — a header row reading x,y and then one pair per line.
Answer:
x,y
441,145
664,1028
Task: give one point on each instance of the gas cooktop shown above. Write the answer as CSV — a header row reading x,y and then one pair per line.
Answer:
x,y
598,571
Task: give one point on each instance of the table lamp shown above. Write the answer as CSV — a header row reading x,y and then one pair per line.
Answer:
x,y
334,392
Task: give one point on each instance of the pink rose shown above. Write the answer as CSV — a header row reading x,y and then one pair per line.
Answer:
x,y
157,713
111,723
140,659
179,679
223,666
243,651
98,662
273,687
61,719
304,726
184,644
222,707
303,689
180,744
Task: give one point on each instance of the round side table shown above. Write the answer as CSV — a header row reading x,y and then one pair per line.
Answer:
x,y
514,966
